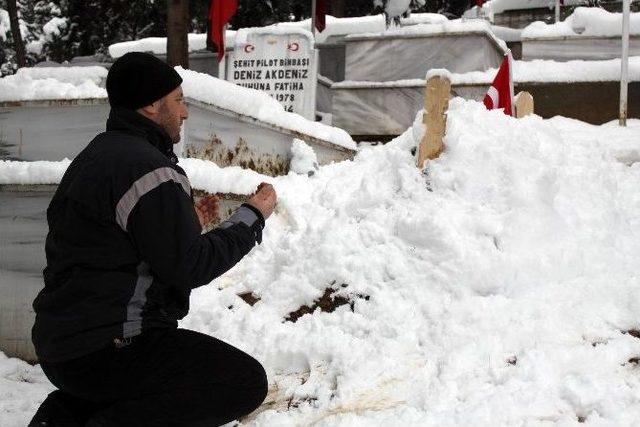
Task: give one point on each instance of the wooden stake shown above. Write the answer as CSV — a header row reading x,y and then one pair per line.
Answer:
x,y
524,104
436,104
624,73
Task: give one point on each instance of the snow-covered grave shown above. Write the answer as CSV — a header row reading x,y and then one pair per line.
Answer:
x,y
588,33
505,292
24,227
382,69
52,113
520,13
232,125
586,90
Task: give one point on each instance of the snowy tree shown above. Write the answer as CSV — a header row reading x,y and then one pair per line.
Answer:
x,y
40,24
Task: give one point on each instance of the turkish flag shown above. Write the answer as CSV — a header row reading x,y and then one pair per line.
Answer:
x,y
321,9
220,13
500,94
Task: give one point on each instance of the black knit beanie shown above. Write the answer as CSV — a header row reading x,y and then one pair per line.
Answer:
x,y
138,79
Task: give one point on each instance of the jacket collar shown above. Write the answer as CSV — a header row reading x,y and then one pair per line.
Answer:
x,y
129,121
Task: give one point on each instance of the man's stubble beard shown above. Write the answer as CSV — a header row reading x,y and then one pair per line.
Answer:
x,y
167,124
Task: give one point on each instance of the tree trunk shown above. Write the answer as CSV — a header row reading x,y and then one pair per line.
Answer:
x,y
338,8
177,29
12,9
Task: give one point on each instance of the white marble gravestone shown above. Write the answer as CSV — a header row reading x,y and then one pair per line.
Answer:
x,y
279,62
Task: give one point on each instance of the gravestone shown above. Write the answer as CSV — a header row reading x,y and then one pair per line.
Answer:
x,y
279,62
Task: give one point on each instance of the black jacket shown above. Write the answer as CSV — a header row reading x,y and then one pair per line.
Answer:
x,y
125,247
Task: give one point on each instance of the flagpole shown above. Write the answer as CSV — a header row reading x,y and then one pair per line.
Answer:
x,y
313,18
624,74
557,11
222,65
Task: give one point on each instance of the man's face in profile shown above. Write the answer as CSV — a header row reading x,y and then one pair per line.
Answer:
x,y
172,111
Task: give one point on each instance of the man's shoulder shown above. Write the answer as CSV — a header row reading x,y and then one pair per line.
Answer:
x,y
124,153
129,147
116,159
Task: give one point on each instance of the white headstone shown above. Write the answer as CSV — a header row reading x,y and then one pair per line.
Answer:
x,y
281,62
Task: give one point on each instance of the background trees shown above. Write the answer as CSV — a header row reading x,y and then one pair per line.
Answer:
x,y
59,30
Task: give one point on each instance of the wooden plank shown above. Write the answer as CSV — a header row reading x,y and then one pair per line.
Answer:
x,y
524,104
436,104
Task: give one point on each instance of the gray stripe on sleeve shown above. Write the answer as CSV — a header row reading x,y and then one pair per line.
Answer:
x,y
142,186
243,215
133,325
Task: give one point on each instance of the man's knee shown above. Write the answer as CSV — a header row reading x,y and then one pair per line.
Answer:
x,y
264,385
257,390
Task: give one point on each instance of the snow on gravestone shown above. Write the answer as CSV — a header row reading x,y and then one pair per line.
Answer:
x,y
280,62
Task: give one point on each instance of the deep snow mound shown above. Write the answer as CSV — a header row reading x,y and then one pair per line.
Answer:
x,y
499,293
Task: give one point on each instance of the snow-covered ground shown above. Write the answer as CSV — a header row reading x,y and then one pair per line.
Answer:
x,y
492,7
498,291
49,83
584,21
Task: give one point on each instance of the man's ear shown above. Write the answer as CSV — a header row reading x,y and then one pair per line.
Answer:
x,y
149,110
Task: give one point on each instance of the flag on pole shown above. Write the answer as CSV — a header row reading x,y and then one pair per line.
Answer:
x,y
500,94
220,13
321,9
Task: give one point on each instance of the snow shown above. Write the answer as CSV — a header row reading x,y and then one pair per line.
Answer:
x,y
53,27
457,26
5,24
73,75
32,173
584,21
334,27
256,104
551,71
206,175
50,83
22,388
395,8
423,18
453,27
535,71
507,34
499,6
439,72
303,158
158,45
498,294
340,26
361,24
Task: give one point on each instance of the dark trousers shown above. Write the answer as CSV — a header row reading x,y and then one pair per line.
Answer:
x,y
164,377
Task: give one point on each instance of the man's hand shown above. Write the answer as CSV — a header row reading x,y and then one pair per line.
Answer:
x,y
264,199
207,209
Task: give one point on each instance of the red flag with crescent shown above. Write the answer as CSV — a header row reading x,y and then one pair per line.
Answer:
x,y
500,94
